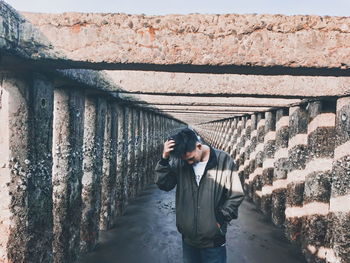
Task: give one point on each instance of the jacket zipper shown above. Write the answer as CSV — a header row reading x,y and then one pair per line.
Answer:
x,y
196,188
197,200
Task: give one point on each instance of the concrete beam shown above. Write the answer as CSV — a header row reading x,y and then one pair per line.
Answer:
x,y
209,108
241,41
200,112
238,85
194,100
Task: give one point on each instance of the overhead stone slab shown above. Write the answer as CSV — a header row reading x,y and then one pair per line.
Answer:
x,y
209,108
188,112
216,40
155,99
239,85
200,118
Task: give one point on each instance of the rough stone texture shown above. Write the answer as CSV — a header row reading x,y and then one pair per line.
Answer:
x,y
242,40
339,219
132,169
17,110
14,168
95,111
269,154
127,153
121,159
297,155
257,181
39,178
137,172
252,158
26,105
338,231
108,180
143,150
194,100
281,169
321,142
68,133
242,85
7,108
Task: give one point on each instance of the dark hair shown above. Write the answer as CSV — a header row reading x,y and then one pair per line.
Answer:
x,y
185,141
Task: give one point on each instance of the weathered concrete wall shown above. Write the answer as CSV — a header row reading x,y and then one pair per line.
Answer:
x,y
63,167
296,171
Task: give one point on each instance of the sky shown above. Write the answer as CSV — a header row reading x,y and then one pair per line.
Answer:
x,y
162,7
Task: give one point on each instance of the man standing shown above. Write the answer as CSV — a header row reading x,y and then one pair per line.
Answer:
x,y
208,194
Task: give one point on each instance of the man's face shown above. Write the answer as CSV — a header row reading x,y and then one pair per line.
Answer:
x,y
193,157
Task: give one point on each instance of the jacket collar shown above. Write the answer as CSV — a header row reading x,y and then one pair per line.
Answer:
x,y
213,160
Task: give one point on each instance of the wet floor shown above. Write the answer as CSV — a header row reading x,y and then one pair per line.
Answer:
x,y
147,234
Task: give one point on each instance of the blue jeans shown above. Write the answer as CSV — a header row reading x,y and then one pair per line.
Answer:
x,y
203,255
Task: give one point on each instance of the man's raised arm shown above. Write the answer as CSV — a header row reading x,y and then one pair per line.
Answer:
x,y
164,175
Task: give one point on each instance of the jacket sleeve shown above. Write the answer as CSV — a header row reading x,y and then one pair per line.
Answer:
x,y
234,196
165,177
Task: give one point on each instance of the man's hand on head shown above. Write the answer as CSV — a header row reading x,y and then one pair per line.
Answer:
x,y
168,147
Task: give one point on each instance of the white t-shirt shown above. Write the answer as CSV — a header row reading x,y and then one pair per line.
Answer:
x,y
198,169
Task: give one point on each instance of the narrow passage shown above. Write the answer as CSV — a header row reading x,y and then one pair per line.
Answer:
x,y
147,234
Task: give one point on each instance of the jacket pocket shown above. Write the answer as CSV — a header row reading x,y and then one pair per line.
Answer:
x,y
220,231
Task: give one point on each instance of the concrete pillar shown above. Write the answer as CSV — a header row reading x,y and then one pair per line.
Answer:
x,y
108,180
94,127
318,179
138,173
281,168
217,134
130,154
227,146
339,216
297,153
227,136
26,107
150,146
248,183
68,133
142,149
121,158
159,140
268,163
224,134
247,152
213,131
241,133
259,158
147,149
221,134
244,149
234,138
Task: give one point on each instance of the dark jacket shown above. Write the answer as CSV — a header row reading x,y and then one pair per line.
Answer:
x,y
200,208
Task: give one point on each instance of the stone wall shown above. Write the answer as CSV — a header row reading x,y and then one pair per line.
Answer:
x,y
294,164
